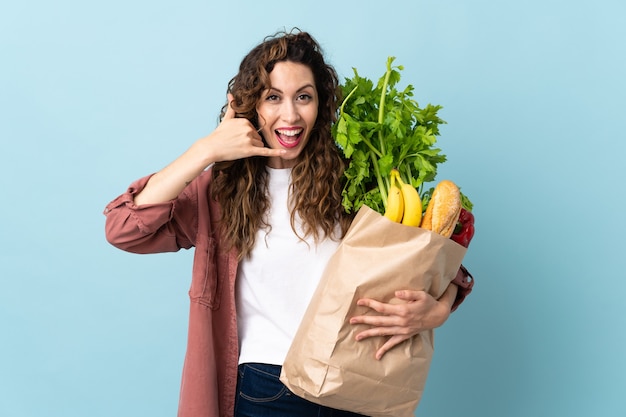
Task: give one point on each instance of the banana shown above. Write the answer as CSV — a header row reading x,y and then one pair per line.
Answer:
x,y
412,203
395,202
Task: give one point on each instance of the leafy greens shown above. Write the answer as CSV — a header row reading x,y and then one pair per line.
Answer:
x,y
380,127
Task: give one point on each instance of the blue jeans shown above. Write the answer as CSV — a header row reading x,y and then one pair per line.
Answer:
x,y
260,393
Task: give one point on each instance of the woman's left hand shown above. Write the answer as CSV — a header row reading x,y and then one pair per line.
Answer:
x,y
407,315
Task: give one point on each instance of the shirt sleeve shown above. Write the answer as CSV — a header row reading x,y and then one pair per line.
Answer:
x,y
149,228
465,282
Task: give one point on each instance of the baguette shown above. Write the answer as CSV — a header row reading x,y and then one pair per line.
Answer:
x,y
443,210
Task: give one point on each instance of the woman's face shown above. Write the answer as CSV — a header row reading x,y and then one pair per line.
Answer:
x,y
287,111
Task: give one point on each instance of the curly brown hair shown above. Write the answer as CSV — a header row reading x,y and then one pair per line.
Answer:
x,y
240,186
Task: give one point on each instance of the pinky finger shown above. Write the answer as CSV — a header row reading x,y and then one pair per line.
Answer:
x,y
389,344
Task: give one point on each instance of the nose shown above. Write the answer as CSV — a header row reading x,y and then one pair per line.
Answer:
x,y
290,112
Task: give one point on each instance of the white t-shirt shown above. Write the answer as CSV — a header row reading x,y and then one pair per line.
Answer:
x,y
275,285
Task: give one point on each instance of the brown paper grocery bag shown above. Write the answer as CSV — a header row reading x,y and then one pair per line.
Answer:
x,y
325,364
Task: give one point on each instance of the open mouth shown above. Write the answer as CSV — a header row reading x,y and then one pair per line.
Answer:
x,y
289,138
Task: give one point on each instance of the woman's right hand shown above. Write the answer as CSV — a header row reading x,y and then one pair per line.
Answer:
x,y
234,138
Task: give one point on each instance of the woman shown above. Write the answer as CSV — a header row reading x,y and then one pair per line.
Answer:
x,y
264,218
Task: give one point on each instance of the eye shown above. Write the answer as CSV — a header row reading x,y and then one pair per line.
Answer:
x,y
272,97
305,97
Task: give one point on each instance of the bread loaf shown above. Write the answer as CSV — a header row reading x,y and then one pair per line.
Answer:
x,y
442,212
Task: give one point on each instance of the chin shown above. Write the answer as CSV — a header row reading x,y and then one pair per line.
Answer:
x,y
286,161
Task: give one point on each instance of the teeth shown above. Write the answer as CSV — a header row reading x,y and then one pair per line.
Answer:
x,y
290,132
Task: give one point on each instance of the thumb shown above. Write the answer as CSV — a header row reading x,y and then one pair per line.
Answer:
x,y
408,295
230,112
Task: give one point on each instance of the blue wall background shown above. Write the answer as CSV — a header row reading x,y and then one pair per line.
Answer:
x,y
96,94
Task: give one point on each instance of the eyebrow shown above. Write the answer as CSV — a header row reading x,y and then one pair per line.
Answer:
x,y
299,89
